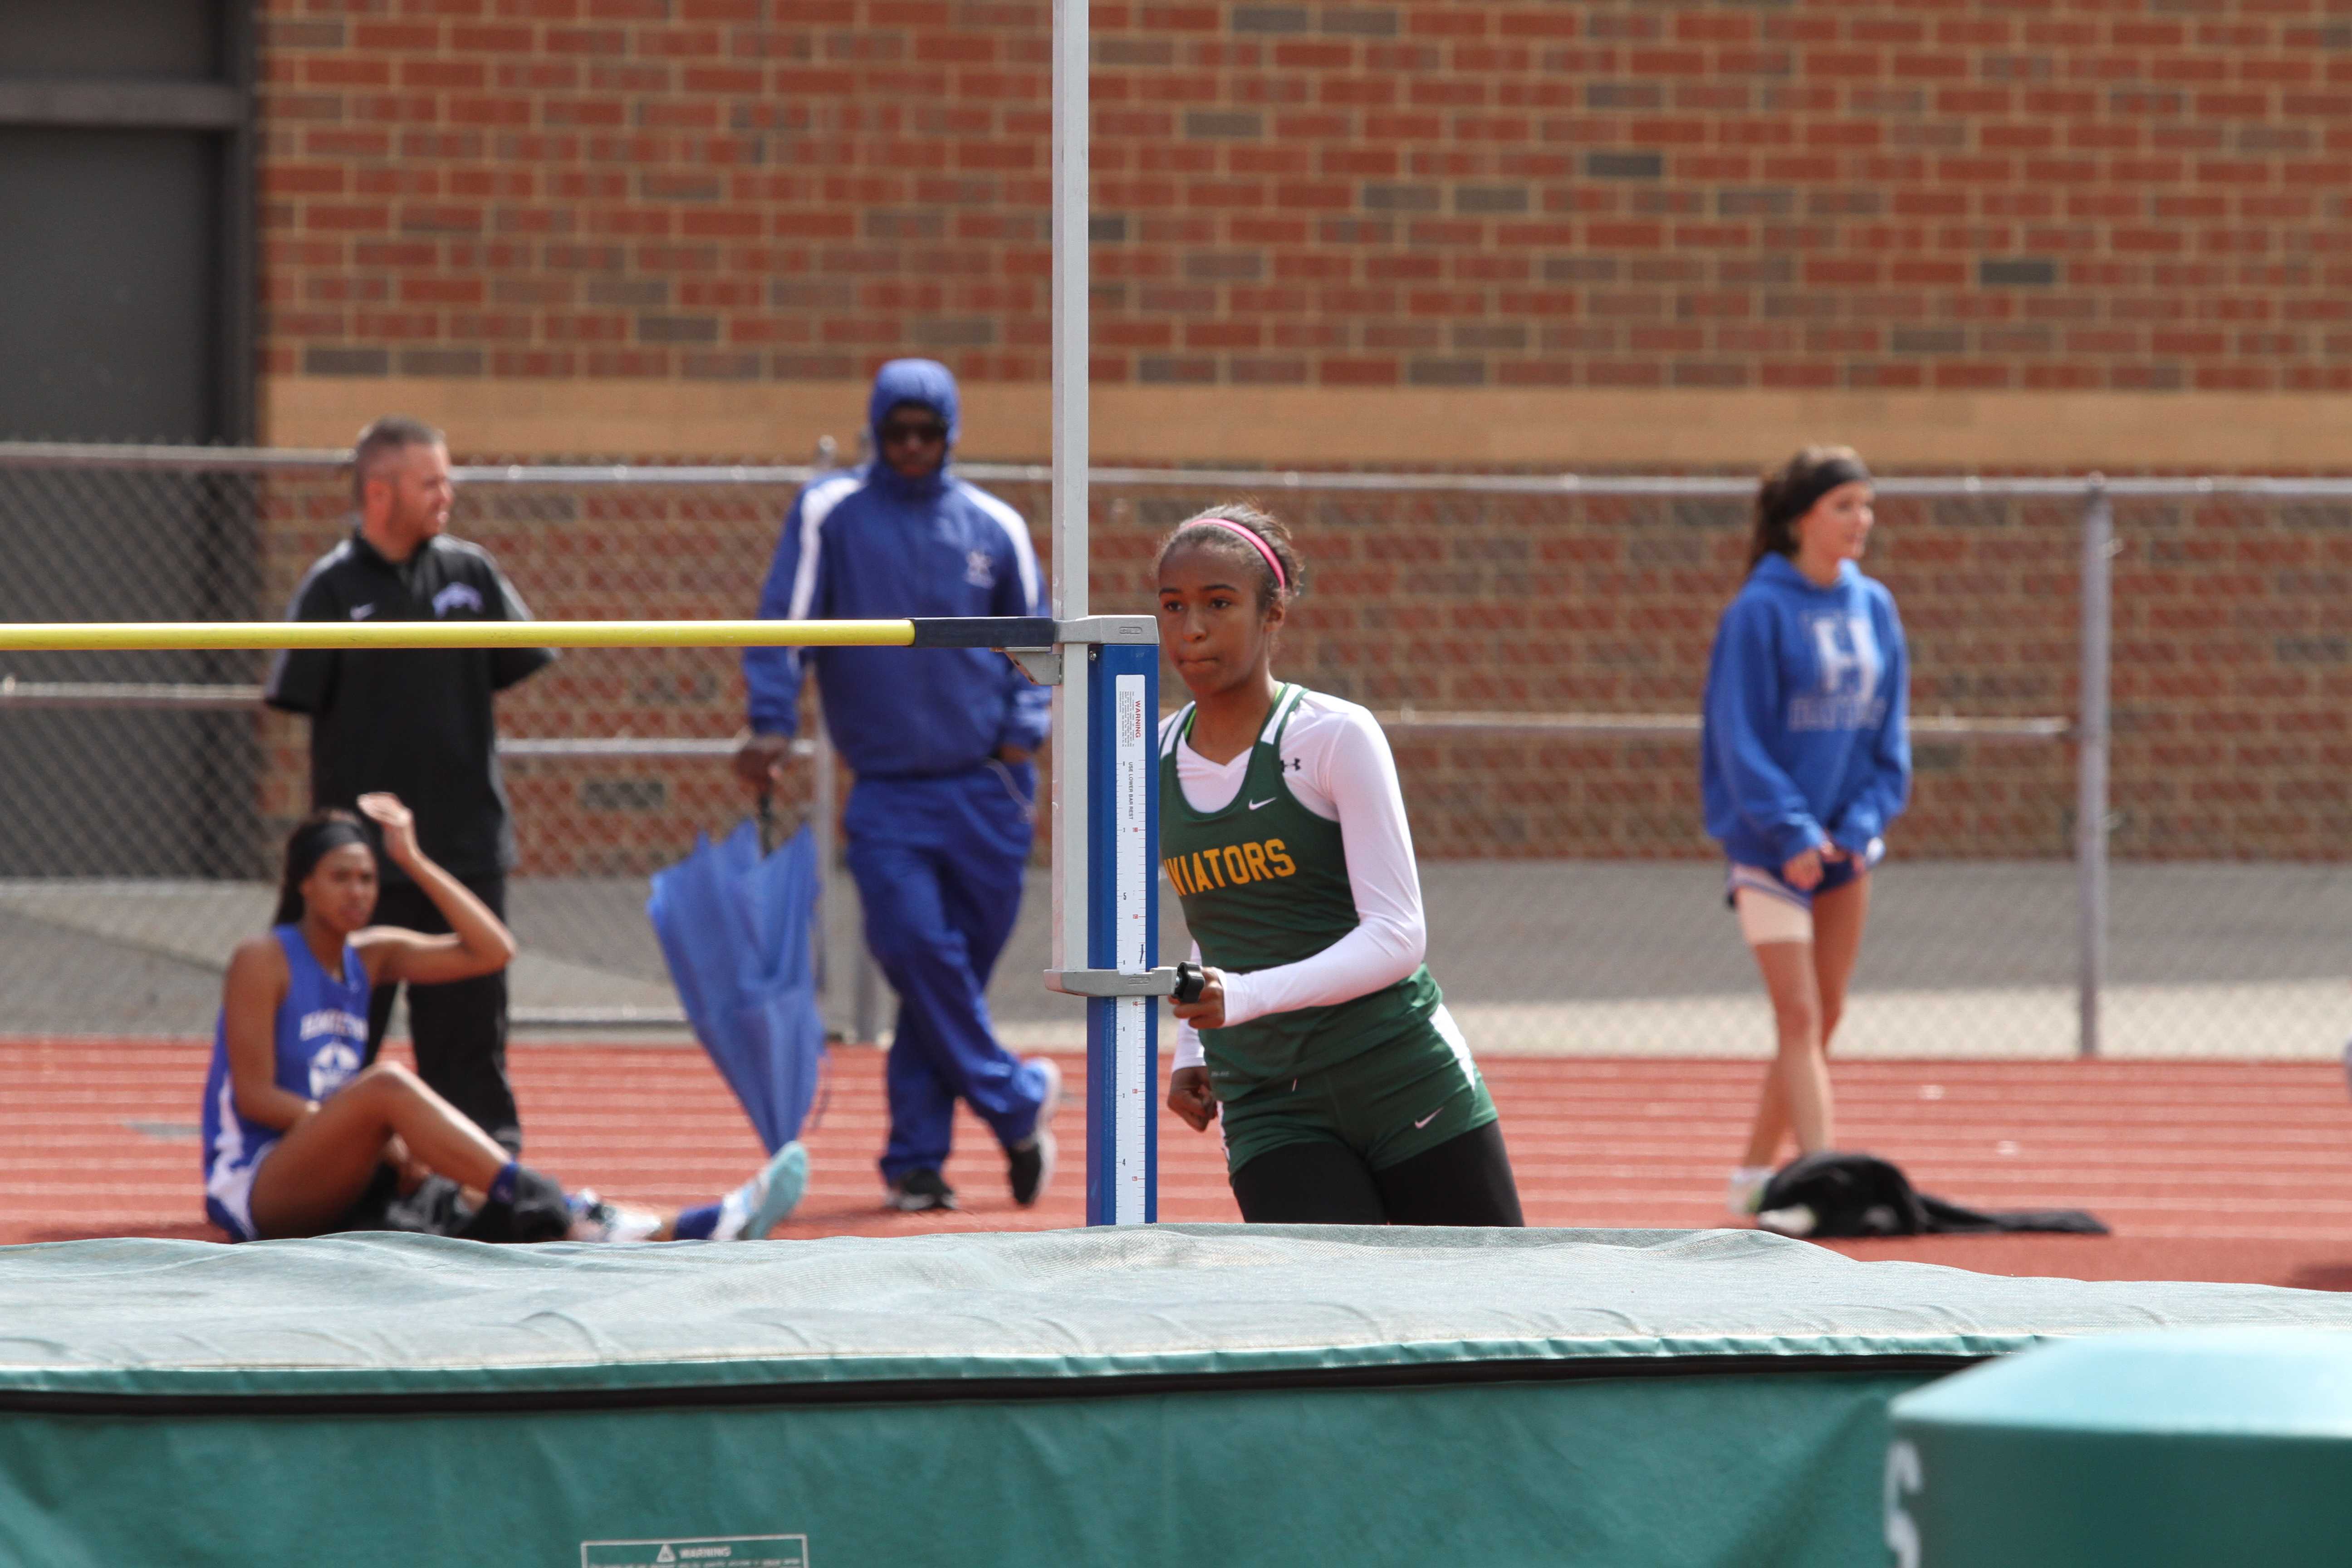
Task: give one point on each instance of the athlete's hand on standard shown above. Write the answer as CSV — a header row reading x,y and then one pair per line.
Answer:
x,y
1803,872
1189,1097
399,825
1207,1011
1187,1087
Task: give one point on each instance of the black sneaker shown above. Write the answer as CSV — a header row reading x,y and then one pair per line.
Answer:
x,y
919,1191
1030,1163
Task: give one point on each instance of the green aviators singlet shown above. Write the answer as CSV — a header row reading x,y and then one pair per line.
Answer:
x,y
1264,882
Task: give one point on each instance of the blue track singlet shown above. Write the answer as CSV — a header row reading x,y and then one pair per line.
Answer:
x,y
321,1033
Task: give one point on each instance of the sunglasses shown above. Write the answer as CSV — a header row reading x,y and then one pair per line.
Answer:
x,y
926,434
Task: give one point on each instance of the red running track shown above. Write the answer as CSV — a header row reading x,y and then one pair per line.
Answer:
x,y
2206,1170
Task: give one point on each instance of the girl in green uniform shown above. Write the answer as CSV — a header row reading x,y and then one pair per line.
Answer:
x,y
1347,1094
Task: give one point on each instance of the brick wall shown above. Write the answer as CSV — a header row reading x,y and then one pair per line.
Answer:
x,y
2232,666
2234,680
2134,194
1546,604
2233,660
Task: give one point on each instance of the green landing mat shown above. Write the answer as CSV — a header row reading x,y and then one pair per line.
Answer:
x,y
1183,1393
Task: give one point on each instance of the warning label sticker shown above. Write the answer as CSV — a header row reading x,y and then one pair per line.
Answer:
x,y
692,1552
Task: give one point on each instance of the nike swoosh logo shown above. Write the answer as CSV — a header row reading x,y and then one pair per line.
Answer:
x,y
361,611
1269,800
1428,1118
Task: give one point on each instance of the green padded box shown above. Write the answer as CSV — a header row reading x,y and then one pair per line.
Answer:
x,y
2194,1448
1189,1395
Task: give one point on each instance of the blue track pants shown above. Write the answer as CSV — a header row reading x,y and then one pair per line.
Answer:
x,y
938,863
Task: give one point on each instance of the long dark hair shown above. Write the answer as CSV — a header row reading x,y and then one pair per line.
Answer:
x,y
307,845
1200,531
1786,496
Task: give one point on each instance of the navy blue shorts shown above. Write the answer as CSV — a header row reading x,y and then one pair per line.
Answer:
x,y
1835,874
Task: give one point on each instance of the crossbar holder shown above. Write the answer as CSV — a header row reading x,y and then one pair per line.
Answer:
x,y
1160,981
1042,662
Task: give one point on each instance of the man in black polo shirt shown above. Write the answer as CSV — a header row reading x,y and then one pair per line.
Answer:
x,y
418,723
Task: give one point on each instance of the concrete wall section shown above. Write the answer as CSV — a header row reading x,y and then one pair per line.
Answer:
x,y
1564,428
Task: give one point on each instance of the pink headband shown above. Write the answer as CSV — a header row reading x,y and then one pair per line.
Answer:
x,y
1260,545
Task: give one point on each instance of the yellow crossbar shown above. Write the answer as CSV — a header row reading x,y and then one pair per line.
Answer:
x,y
79,635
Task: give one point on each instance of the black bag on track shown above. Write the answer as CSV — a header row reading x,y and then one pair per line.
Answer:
x,y
1861,1194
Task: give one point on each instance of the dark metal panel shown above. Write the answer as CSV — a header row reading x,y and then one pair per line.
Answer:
x,y
134,105
240,288
108,284
127,311
176,40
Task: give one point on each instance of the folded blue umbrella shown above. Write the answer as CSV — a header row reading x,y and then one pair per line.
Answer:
x,y
735,927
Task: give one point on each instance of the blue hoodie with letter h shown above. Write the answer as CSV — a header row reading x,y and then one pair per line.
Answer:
x,y
1807,736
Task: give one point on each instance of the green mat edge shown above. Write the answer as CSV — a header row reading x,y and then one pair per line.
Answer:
x,y
685,1375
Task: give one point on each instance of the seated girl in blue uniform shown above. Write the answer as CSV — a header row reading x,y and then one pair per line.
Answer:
x,y
300,1139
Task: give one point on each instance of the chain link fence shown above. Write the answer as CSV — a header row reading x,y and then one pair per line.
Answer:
x,y
1536,645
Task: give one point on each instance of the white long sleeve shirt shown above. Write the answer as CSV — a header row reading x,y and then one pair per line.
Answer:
x,y
1337,763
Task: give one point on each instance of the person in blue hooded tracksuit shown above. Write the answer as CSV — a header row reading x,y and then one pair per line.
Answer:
x,y
940,821
1806,758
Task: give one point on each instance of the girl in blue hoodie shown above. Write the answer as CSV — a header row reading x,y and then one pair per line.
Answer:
x,y
1805,760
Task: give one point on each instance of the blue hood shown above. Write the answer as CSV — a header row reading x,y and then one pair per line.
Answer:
x,y
923,381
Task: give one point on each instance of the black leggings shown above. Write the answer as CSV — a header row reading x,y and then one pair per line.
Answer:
x,y
1462,1181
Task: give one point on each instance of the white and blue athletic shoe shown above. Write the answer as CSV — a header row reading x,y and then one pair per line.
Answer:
x,y
775,1192
593,1219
